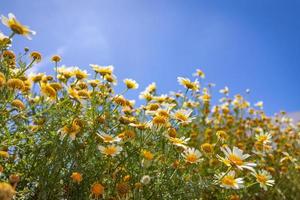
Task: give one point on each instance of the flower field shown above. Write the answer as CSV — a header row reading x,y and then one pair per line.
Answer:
x,y
69,135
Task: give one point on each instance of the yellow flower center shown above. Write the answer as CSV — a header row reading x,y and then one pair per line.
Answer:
x,y
17,29
262,138
228,180
261,178
159,120
181,116
148,155
76,177
235,159
192,158
110,150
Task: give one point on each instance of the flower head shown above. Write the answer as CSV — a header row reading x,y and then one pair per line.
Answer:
x,y
236,158
188,84
6,191
263,138
36,56
180,142
4,40
76,177
222,135
131,84
56,58
16,26
199,73
103,70
4,154
264,178
147,155
192,155
97,189
259,104
225,90
108,138
183,116
111,150
229,181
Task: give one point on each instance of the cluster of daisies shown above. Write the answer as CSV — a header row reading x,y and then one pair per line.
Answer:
x,y
69,136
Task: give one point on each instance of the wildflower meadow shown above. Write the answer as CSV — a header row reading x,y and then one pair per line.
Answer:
x,y
69,135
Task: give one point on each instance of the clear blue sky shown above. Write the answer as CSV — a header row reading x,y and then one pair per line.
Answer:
x,y
242,44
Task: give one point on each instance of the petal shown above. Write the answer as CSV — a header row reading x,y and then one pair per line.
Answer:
x,y
11,16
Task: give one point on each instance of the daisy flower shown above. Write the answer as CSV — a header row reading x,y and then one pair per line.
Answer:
x,y
70,130
16,26
225,90
263,177
180,142
146,95
222,136
263,138
199,73
151,88
259,104
111,150
108,138
229,181
183,116
192,155
235,158
131,84
80,74
4,40
103,70
188,84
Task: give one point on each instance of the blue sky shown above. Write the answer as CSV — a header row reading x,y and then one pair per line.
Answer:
x,y
240,44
